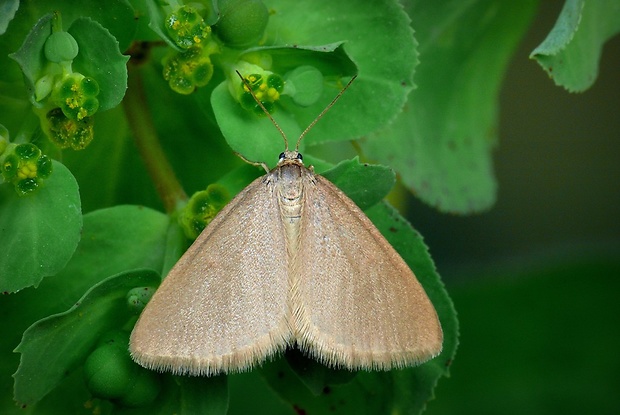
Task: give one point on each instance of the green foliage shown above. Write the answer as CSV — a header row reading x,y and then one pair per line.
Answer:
x,y
81,262
442,143
40,231
572,50
77,330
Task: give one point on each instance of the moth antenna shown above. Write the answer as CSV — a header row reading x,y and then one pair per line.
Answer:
x,y
323,112
260,104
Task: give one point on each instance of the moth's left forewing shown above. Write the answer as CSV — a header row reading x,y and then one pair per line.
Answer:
x,y
224,306
356,303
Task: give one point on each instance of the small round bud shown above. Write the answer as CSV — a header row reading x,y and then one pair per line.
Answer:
x,y
60,47
242,22
138,297
304,85
142,390
108,371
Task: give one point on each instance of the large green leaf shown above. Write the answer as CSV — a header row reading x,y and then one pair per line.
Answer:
x,y
54,346
117,239
442,143
40,231
7,12
30,56
348,174
100,58
571,52
378,40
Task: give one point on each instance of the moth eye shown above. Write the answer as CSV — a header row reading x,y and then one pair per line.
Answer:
x,y
300,157
281,156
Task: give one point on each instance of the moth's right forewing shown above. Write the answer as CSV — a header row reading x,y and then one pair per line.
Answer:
x,y
356,302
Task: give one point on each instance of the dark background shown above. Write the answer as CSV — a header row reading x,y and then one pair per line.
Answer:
x,y
536,279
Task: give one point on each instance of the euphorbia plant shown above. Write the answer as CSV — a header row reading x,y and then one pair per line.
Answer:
x,y
113,112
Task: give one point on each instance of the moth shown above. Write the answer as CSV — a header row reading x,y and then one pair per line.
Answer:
x,y
290,261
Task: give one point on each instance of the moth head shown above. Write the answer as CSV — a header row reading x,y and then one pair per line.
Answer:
x,y
287,156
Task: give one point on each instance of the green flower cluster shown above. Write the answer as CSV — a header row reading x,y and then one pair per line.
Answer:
x,y
266,88
241,23
25,167
185,71
191,67
69,99
202,208
76,96
186,27
67,132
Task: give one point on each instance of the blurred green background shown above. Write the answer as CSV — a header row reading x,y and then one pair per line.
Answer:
x,y
535,280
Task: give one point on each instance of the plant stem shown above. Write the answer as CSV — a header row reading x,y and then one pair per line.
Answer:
x,y
141,122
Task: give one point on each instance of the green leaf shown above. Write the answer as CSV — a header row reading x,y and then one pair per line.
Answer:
x,y
377,39
330,59
7,12
115,240
54,346
414,387
397,391
571,52
39,231
115,15
30,56
365,184
203,395
255,137
100,58
385,70
442,143
156,23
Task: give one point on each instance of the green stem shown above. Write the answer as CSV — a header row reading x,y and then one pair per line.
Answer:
x,y
146,138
